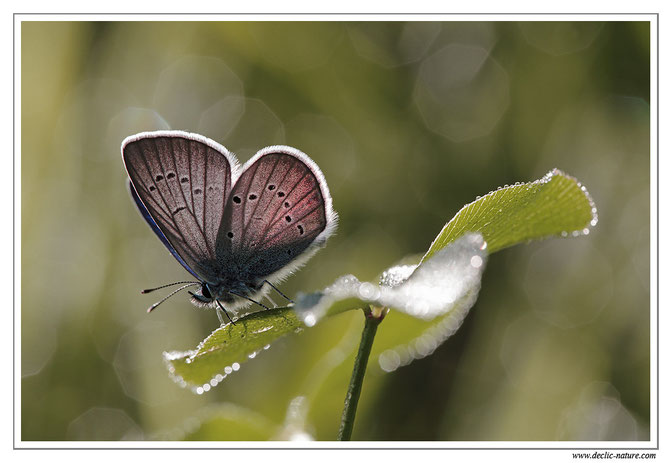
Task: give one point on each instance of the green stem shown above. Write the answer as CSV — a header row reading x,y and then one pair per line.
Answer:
x,y
355,387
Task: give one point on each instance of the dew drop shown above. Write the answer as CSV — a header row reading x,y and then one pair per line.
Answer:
x,y
476,261
389,360
369,291
235,366
309,320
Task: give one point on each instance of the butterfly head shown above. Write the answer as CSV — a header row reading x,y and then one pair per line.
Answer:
x,y
203,296
231,294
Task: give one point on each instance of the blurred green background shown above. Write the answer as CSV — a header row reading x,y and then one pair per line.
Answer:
x,y
408,121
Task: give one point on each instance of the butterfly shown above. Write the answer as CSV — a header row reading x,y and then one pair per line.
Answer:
x,y
237,230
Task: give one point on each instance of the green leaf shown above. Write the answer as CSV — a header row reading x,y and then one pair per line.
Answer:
x,y
228,347
341,296
425,291
556,204
404,338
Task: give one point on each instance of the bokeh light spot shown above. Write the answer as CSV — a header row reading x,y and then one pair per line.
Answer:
x,y
560,38
189,86
462,92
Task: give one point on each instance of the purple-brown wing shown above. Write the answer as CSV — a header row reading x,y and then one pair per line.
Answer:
x,y
184,183
275,212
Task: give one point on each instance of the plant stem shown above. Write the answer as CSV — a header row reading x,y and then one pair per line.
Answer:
x,y
355,387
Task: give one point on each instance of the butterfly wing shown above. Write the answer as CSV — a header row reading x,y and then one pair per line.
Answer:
x,y
279,211
183,181
148,218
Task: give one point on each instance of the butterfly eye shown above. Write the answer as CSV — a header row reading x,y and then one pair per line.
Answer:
x,y
205,291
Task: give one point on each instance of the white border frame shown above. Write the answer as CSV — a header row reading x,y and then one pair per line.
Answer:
x,y
653,444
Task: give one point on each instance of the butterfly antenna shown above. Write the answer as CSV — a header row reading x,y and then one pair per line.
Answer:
x,y
224,310
278,291
155,305
145,291
251,300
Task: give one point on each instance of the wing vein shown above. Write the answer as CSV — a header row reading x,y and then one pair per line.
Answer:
x,y
167,212
297,220
149,171
270,226
244,202
205,199
172,194
256,206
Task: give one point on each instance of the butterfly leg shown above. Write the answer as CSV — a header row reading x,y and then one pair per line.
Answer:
x,y
271,301
251,300
219,316
221,320
278,291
